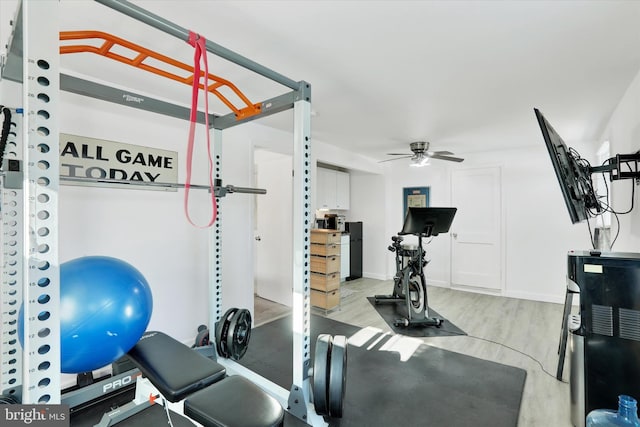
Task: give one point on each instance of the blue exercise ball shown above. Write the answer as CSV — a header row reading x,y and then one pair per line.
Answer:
x,y
105,307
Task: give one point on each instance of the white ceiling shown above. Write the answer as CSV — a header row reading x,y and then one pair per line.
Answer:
x,y
464,75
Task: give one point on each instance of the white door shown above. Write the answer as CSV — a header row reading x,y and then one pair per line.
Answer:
x,y
273,263
476,259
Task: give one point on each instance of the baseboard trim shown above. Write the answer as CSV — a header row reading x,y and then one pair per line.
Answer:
x,y
375,276
553,298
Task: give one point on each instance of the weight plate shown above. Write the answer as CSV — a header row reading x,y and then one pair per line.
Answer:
x,y
239,334
7,399
337,375
321,359
222,329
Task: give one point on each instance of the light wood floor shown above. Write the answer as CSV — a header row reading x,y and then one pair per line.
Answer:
x,y
521,326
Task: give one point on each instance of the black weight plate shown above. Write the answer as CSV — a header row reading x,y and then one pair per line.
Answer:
x,y
222,329
7,399
337,375
239,334
321,359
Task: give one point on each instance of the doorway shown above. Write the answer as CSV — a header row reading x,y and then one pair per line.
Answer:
x,y
273,242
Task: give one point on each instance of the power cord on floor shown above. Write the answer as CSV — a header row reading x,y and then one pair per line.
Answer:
x,y
166,409
513,349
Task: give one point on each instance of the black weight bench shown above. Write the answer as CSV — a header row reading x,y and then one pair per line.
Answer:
x,y
212,397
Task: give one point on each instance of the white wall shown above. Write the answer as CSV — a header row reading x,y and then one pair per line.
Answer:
x,y
623,133
537,229
437,177
148,229
368,204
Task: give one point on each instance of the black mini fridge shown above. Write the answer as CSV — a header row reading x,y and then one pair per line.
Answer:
x,y
607,342
355,249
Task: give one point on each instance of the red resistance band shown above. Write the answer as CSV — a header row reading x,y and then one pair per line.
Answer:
x,y
199,43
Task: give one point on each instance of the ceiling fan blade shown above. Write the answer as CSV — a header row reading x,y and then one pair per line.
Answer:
x,y
400,154
396,158
441,152
451,159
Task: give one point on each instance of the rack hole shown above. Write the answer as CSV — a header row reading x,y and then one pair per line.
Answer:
x,y
43,97
43,198
43,215
43,249
44,181
44,366
44,114
43,131
43,265
44,282
43,148
43,164
43,64
44,399
44,298
44,382
43,81
42,316
44,332
43,231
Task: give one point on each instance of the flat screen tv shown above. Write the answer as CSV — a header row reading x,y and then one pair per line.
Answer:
x,y
573,175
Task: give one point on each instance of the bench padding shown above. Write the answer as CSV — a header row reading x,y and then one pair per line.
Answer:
x,y
234,401
175,369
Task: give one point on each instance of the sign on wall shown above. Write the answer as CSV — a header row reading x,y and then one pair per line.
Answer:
x,y
415,197
98,159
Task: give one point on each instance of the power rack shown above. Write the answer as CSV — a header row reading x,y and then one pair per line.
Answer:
x,y
30,202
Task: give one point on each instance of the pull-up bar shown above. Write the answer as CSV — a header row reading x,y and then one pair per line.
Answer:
x,y
171,28
142,54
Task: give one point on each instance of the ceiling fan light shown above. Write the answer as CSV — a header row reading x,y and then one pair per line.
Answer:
x,y
420,161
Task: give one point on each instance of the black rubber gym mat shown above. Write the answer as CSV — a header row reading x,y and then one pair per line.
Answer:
x,y
397,310
432,387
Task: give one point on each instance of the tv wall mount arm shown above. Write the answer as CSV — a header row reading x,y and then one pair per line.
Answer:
x,y
614,167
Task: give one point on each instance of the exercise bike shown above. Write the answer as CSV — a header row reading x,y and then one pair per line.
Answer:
x,y
409,283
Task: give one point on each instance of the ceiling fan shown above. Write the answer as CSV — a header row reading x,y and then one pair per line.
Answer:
x,y
421,155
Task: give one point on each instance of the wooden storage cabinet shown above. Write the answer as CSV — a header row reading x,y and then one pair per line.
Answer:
x,y
325,300
324,236
325,282
325,268
325,264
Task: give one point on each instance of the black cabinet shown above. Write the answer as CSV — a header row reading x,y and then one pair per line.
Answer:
x,y
355,249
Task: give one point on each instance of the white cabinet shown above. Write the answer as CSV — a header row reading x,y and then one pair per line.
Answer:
x,y
332,189
326,180
342,190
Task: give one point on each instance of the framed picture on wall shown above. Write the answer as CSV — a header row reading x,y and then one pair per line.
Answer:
x,y
414,197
